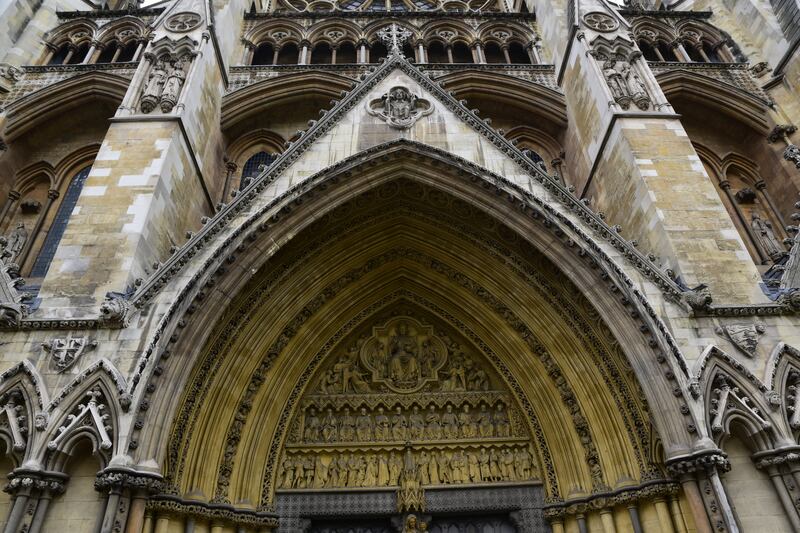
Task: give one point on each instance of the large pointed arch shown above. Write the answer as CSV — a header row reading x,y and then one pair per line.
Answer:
x,y
229,269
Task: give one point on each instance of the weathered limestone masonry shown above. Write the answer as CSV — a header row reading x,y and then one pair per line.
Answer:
x,y
525,267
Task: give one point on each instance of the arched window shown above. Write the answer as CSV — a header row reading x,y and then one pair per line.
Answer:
x,y
494,54
288,54
346,54
694,53
648,51
108,53
128,52
322,54
377,51
518,54
437,53
408,51
79,55
59,224
60,55
264,54
535,158
251,167
377,5
462,53
711,53
666,52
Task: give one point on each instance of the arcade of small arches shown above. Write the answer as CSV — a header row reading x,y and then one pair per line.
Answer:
x,y
83,42
684,41
434,43
388,6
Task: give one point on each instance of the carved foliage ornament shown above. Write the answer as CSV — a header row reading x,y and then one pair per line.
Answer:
x,y
601,22
399,107
183,22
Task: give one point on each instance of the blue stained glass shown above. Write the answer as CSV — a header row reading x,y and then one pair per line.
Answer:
x,y
59,225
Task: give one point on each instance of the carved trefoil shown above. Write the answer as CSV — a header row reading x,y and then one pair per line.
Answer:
x,y
65,351
399,107
744,336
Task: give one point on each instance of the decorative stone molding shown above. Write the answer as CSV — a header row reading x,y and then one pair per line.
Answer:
x,y
600,22
13,306
209,512
93,415
727,397
125,478
699,462
629,495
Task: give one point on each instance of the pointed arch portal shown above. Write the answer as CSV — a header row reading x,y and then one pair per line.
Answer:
x,y
462,312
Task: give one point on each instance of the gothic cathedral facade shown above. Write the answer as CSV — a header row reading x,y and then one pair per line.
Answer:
x,y
407,266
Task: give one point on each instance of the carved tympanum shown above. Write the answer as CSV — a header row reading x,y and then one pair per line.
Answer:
x,y
406,406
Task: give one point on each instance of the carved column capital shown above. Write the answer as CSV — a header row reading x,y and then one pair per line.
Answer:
x,y
704,462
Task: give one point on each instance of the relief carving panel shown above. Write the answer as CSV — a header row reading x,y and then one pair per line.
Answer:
x,y
406,398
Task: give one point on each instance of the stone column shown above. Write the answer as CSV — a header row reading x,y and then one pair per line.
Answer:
x,y
557,525
249,50
13,197
773,470
136,513
633,512
21,488
677,514
607,518
664,518
48,489
305,48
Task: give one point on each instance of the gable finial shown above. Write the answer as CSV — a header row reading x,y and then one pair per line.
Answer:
x,y
394,36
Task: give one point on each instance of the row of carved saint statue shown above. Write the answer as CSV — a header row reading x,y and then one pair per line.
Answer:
x,y
417,426
383,469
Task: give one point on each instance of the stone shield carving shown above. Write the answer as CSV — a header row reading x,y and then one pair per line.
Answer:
x,y
399,108
743,336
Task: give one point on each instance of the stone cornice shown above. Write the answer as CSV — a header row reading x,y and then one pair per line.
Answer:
x,y
80,68
698,462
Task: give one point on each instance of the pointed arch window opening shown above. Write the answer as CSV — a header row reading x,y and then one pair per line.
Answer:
x,y
251,168
59,224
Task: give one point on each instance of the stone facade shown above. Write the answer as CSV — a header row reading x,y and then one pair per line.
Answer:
x,y
399,266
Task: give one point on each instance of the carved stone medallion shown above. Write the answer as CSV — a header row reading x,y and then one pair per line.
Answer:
x,y
399,107
183,22
601,22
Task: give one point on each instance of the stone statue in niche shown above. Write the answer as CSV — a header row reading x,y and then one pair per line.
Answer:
x,y
154,86
399,107
766,237
623,81
16,242
164,84
172,86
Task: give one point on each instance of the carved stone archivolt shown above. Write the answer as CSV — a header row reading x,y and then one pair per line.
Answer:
x,y
406,406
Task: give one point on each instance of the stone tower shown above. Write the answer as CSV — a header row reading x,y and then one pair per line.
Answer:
x,y
399,266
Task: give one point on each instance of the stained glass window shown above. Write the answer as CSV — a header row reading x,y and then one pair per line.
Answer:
x,y
59,225
250,169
